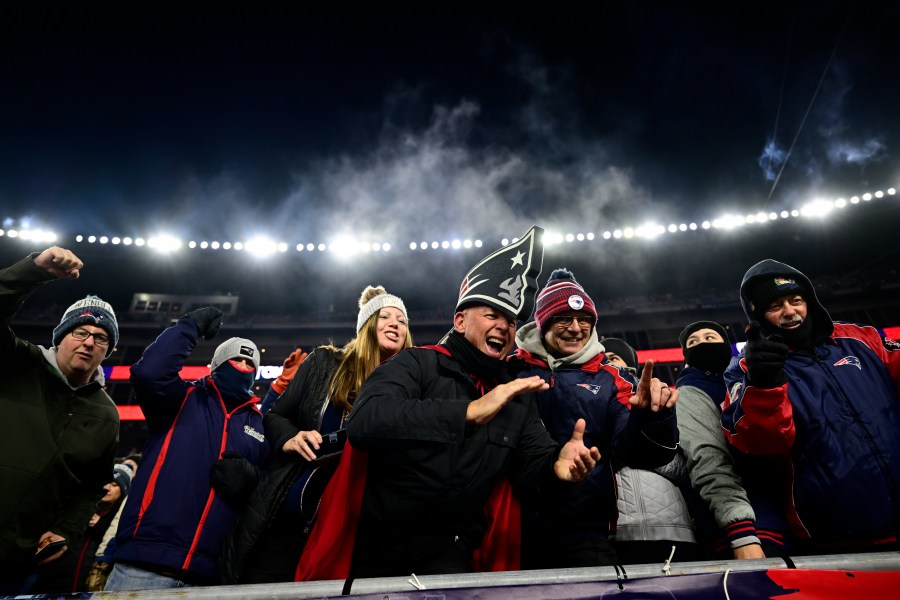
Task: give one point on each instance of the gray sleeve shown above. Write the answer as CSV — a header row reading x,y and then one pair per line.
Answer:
x,y
710,466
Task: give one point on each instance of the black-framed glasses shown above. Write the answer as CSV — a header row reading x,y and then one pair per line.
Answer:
x,y
101,339
566,320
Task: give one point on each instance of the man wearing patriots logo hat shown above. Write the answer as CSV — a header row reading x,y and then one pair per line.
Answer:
x,y
443,426
200,462
62,429
632,423
814,409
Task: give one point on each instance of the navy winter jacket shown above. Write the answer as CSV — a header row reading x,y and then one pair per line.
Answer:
x,y
174,519
822,451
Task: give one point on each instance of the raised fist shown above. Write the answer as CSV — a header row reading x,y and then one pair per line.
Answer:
x,y
208,320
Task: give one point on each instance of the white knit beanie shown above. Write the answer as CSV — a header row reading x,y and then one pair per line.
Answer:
x,y
372,300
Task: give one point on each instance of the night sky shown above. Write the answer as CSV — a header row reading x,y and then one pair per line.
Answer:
x,y
397,124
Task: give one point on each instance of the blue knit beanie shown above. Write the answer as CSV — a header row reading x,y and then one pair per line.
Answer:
x,y
89,311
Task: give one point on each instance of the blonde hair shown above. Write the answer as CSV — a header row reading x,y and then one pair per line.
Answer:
x,y
359,357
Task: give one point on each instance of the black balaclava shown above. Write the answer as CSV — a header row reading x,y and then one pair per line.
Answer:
x,y
712,357
235,385
801,337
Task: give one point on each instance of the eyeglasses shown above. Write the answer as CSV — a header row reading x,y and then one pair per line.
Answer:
x,y
100,339
566,320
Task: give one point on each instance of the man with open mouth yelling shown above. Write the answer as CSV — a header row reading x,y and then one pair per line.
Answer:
x,y
445,427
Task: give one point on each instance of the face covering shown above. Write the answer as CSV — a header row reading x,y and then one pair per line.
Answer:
x,y
233,383
800,338
712,357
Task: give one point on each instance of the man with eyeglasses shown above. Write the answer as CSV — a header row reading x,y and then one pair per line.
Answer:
x,y
61,428
631,422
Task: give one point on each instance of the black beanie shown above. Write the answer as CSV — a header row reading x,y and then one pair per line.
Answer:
x,y
687,331
762,290
621,347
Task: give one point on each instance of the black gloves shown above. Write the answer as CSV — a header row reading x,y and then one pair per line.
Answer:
x,y
208,320
234,478
765,358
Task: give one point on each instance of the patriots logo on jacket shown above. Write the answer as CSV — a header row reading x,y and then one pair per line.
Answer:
x,y
849,360
591,387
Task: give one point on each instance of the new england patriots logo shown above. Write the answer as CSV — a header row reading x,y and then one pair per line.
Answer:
x,y
592,388
849,360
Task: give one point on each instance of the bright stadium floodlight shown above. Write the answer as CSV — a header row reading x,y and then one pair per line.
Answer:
x,y
239,245
192,244
692,227
386,247
435,245
816,208
127,241
104,239
478,243
467,243
879,194
617,234
413,246
164,243
628,232
867,196
116,241
445,244
761,217
570,237
504,242
590,235
456,244
78,238
580,237
854,199
376,247
282,247
260,246
646,231
773,216
91,238
322,247
140,242
840,203
892,191
215,245
204,245
226,245
343,246
706,225
300,247
795,213
310,247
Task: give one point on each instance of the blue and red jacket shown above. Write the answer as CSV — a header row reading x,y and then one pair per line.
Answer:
x,y
821,453
174,520
599,393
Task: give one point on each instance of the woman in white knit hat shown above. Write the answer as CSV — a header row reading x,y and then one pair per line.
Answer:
x,y
315,403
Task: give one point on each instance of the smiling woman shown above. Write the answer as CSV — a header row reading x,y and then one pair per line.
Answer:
x,y
313,406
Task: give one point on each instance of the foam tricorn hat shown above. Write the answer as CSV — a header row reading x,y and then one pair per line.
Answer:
x,y
506,279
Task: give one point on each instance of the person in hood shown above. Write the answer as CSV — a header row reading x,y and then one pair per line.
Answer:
x,y
200,463
62,428
814,405
632,423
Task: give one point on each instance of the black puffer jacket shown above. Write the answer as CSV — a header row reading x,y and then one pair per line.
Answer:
x,y
429,474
